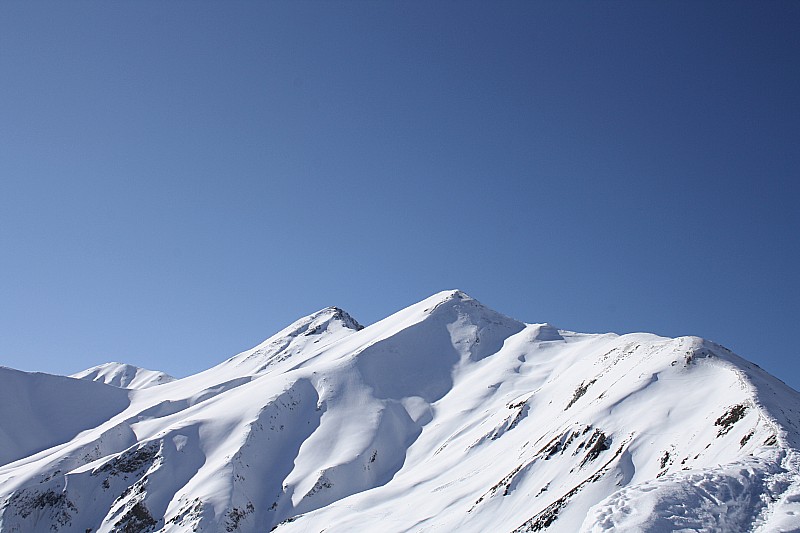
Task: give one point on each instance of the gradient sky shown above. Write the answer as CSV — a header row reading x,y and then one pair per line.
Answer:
x,y
179,180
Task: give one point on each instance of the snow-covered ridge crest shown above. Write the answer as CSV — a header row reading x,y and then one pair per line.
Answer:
x,y
301,336
329,319
446,416
124,376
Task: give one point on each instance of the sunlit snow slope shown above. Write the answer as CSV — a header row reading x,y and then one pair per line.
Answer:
x,y
445,416
125,376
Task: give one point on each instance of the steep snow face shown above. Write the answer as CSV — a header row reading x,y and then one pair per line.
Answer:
x,y
444,416
440,337
124,376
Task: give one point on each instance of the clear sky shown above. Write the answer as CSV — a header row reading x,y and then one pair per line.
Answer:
x,y
179,180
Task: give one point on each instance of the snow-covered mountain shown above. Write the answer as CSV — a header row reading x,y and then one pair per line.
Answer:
x,y
446,416
124,376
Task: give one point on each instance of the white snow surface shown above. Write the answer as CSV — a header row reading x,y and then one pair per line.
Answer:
x,y
124,376
445,416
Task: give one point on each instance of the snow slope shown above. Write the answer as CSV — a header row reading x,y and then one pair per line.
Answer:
x,y
38,411
124,376
444,416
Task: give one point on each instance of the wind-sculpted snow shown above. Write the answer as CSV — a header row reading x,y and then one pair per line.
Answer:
x,y
445,416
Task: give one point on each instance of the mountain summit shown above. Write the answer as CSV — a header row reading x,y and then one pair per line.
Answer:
x,y
445,416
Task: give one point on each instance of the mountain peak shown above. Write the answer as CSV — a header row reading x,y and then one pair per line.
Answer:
x,y
340,315
329,323
450,295
459,294
326,319
463,303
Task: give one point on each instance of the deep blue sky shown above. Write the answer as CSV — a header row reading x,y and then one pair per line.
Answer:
x,y
179,180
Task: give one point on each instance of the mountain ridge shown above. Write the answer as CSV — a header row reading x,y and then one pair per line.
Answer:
x,y
445,415
124,375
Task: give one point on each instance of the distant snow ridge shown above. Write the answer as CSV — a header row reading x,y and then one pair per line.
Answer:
x,y
445,416
124,376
